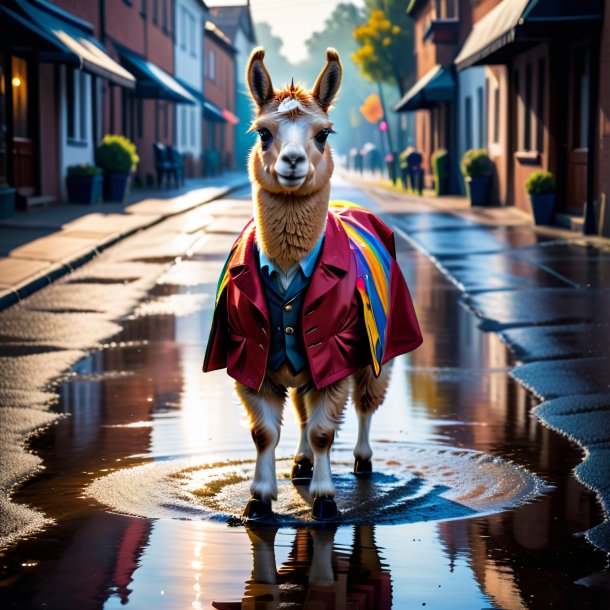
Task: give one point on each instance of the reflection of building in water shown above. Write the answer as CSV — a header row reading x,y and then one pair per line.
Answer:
x,y
316,574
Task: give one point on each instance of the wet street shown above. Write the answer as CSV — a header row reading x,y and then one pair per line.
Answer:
x,y
139,460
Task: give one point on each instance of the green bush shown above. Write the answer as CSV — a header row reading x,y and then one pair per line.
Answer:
x,y
476,164
440,169
117,155
84,170
540,182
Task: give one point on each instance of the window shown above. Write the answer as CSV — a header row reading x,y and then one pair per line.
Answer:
x,y
540,101
183,111
193,110
447,9
143,7
468,121
182,33
496,115
77,98
481,116
527,119
193,35
164,20
155,11
211,65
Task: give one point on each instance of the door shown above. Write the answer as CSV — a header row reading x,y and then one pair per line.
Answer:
x,y
578,127
23,149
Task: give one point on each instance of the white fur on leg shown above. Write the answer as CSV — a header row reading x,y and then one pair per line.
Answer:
x,y
303,448
265,412
325,410
363,449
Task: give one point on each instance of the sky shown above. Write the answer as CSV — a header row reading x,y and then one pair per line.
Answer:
x,y
291,20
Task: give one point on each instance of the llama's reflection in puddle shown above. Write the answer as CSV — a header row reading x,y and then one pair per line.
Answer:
x,y
317,573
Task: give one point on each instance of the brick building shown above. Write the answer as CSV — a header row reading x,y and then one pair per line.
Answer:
x,y
219,129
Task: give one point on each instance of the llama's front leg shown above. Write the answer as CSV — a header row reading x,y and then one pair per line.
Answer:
x,y
264,409
325,410
302,468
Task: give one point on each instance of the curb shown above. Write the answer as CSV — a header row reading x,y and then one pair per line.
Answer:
x,y
58,270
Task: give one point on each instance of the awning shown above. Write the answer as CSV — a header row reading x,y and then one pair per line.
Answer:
x,y
231,118
212,112
60,37
436,86
514,21
153,82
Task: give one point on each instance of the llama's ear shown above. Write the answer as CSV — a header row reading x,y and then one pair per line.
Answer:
x,y
329,80
258,78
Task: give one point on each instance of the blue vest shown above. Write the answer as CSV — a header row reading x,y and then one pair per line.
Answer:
x,y
286,340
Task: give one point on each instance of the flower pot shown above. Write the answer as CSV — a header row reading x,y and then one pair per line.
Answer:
x,y
7,202
478,190
115,187
84,189
542,208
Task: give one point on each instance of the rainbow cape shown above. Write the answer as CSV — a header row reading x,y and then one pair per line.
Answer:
x,y
373,265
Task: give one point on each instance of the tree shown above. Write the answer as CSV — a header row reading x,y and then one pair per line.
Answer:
x,y
386,44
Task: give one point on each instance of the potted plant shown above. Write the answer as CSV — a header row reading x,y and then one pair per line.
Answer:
x,y
477,169
84,184
7,200
540,186
118,157
440,169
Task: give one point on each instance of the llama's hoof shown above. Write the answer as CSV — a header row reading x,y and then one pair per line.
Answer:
x,y
363,467
257,510
302,472
324,509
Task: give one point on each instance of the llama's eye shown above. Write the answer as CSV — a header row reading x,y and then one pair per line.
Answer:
x,y
321,136
265,135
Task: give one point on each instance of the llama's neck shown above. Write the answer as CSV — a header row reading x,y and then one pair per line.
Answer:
x,y
289,226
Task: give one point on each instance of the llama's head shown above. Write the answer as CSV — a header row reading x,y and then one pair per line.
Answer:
x,y
292,154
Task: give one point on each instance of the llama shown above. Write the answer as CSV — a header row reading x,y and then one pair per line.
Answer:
x,y
311,300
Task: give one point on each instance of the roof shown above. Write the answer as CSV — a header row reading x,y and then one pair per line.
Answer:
x,y
231,18
212,30
414,6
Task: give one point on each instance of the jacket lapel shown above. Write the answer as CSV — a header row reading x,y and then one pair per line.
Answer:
x,y
244,273
334,261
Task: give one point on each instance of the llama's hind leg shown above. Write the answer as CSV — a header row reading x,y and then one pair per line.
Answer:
x,y
302,468
369,392
264,409
325,412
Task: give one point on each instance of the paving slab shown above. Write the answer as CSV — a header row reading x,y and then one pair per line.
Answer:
x,y
15,270
55,248
552,342
555,378
538,306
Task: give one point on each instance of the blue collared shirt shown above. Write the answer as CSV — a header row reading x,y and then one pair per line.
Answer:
x,y
306,265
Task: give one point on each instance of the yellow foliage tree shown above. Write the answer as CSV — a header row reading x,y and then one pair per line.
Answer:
x,y
386,44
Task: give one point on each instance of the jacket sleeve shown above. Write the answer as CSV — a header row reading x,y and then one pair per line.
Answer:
x,y
216,352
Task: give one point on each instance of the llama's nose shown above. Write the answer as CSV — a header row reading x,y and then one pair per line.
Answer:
x,y
293,158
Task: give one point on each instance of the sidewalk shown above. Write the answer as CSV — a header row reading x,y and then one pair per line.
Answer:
x,y
546,292
38,247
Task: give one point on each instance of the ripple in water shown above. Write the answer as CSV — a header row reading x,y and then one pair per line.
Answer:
x,y
411,483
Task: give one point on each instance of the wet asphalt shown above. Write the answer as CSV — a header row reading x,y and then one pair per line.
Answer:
x,y
102,369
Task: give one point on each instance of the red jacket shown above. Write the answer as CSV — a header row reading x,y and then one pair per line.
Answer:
x,y
337,346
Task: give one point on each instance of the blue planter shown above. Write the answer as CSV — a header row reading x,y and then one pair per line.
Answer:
x,y
543,207
84,189
7,202
478,190
115,187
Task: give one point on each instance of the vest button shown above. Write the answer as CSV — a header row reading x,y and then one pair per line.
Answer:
x,y
289,330
288,308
